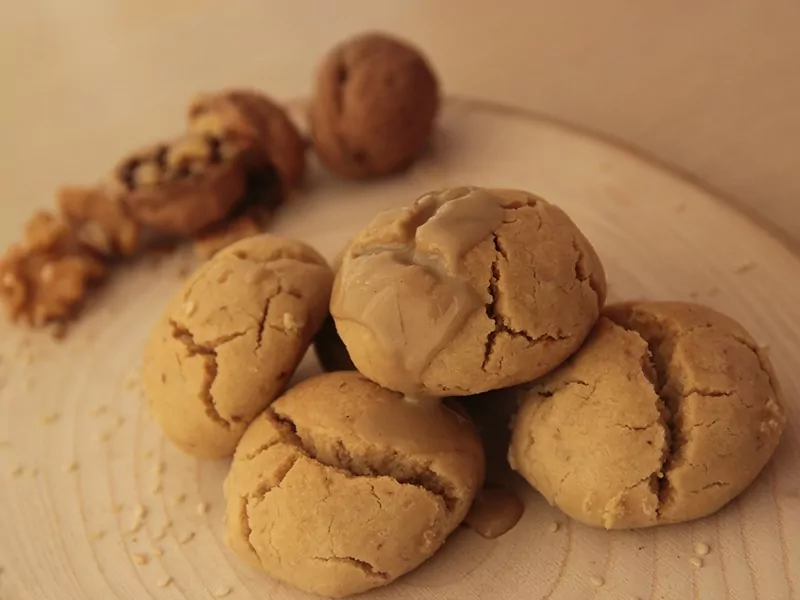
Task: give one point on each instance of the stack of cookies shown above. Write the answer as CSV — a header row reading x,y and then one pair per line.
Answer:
x,y
631,415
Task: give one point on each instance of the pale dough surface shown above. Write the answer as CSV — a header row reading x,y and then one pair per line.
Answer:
x,y
342,486
666,414
230,340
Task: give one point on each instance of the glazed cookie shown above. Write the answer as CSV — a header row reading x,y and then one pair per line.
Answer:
x,y
255,117
373,106
181,187
342,486
231,339
467,290
680,399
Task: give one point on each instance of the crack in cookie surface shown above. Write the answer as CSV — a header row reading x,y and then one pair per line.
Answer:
x,y
391,463
211,368
662,346
501,325
362,565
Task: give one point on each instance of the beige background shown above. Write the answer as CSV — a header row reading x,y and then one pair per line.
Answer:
x,y
709,86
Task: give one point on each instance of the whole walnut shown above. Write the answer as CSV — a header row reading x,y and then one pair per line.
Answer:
x,y
373,106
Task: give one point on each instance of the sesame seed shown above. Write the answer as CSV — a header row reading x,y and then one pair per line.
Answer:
x,y
140,559
157,552
222,591
553,527
162,583
697,562
49,418
596,581
98,535
189,308
140,511
186,538
701,549
202,508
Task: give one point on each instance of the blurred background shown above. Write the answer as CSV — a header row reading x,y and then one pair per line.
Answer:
x,y
710,87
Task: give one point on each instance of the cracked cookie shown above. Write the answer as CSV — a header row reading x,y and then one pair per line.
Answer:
x,y
342,486
47,276
373,106
253,116
181,187
681,401
467,290
230,340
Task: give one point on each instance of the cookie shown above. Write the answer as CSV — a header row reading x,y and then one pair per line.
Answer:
x,y
342,486
181,187
373,106
47,277
467,290
253,116
666,414
230,340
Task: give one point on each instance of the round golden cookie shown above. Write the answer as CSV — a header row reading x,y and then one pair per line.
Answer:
x,y
230,340
373,106
666,414
252,115
465,291
342,486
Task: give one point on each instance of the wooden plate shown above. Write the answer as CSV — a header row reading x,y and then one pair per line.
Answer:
x,y
81,464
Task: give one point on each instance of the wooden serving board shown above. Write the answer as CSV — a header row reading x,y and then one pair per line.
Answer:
x,y
81,463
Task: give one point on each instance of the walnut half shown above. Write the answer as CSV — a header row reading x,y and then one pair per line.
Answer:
x,y
100,220
181,187
46,277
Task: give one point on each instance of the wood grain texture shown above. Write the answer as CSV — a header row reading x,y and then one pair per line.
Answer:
x,y
90,491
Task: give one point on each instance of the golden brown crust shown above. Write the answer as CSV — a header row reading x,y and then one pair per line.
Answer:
x,y
100,220
342,486
230,340
180,187
468,290
679,397
47,277
373,106
254,116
